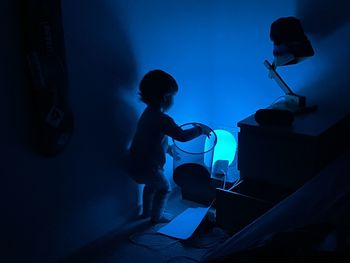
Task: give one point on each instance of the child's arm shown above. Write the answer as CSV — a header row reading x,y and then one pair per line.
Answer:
x,y
171,129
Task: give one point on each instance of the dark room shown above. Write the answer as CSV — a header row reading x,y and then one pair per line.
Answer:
x,y
175,131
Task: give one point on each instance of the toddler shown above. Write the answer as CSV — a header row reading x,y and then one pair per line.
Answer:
x,y
150,143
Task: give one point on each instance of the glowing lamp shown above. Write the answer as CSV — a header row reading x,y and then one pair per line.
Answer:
x,y
225,148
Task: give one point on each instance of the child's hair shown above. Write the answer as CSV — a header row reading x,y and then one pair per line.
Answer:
x,y
156,84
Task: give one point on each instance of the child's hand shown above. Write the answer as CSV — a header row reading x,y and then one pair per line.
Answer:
x,y
205,130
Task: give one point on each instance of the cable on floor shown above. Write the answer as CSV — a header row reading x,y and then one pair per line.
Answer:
x,y
208,240
150,242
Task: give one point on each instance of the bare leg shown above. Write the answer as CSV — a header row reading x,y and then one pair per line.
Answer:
x,y
159,203
160,199
147,200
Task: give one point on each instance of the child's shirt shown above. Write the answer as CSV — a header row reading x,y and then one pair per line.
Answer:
x,y
150,142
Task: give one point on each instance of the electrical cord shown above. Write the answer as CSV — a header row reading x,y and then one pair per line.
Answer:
x,y
155,246
199,243
207,245
134,238
238,182
203,242
224,182
147,240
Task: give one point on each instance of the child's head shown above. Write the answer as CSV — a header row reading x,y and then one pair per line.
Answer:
x,y
157,88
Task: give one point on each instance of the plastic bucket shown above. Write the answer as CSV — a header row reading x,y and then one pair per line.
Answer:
x,y
192,164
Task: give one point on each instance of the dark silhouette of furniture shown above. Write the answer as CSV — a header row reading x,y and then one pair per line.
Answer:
x,y
274,161
289,156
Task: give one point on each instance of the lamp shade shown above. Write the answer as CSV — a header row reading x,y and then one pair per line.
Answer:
x,y
290,41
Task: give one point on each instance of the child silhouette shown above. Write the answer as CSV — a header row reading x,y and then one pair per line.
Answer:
x,y
150,143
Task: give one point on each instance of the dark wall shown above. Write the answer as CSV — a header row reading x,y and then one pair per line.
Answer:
x,y
328,24
322,17
53,206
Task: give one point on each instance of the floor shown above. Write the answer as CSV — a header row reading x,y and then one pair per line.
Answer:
x,y
139,242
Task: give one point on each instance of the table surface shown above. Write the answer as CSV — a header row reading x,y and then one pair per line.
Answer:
x,y
309,124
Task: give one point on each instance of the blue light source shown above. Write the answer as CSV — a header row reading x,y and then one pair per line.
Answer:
x,y
225,148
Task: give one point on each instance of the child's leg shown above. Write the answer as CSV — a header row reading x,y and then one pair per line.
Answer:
x,y
162,189
147,199
159,203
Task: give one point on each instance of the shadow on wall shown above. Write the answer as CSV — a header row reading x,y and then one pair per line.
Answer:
x,y
328,22
62,203
331,89
102,67
322,17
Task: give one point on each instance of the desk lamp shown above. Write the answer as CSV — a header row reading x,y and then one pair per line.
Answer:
x,y
291,46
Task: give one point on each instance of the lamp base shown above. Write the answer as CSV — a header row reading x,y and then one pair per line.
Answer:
x,y
295,100
294,103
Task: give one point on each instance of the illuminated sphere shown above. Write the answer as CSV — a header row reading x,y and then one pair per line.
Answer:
x,y
225,148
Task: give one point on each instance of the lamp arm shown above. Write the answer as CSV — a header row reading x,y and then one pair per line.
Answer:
x,y
273,74
290,97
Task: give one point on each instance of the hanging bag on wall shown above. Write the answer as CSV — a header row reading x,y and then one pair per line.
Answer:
x,y
44,53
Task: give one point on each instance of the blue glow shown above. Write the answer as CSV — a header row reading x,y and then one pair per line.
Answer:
x,y
225,148
214,52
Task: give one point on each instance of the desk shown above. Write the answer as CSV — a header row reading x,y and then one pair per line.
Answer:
x,y
275,161
289,156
